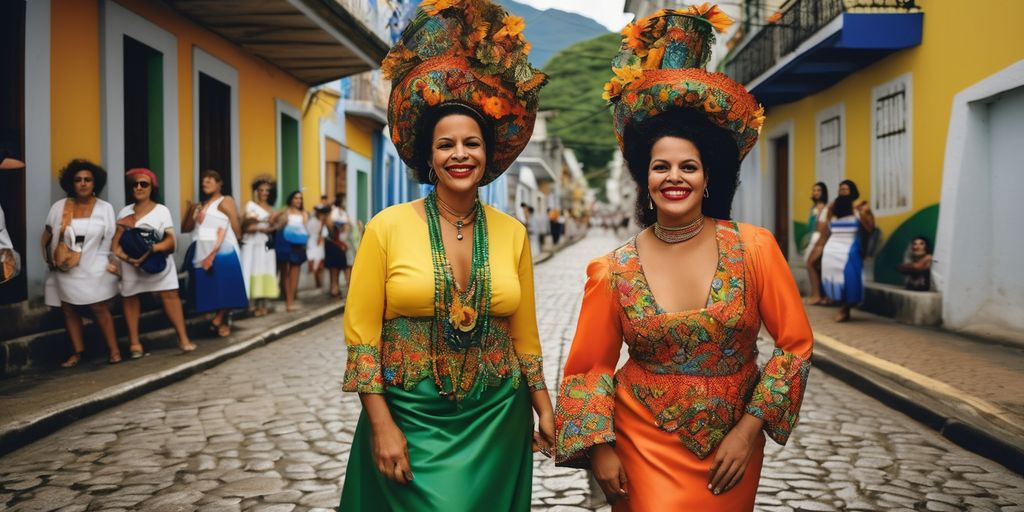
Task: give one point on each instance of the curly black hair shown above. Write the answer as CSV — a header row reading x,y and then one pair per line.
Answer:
x,y
265,180
425,135
67,176
718,153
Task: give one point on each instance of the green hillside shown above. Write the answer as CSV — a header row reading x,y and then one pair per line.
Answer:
x,y
552,30
584,123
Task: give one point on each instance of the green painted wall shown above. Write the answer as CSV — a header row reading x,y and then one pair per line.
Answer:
x,y
923,223
290,158
155,117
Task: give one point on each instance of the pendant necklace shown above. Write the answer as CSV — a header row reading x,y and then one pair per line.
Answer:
x,y
461,220
675,235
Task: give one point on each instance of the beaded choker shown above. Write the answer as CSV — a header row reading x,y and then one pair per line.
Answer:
x,y
679,234
461,317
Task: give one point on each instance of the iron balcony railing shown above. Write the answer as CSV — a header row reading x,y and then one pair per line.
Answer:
x,y
798,22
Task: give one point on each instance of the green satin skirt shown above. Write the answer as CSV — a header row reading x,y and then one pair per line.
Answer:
x,y
473,455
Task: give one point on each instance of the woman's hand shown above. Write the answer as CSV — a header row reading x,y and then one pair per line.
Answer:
x,y
609,472
544,437
391,453
136,262
733,455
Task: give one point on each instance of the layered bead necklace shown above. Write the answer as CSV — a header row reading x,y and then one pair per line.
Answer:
x,y
461,220
461,317
679,234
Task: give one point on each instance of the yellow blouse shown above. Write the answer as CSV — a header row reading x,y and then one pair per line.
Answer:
x,y
393,279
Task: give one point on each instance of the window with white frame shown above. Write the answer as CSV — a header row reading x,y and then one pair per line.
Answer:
x,y
891,166
830,159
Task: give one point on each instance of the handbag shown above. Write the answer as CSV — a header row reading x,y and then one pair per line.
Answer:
x,y
135,242
65,257
10,265
295,235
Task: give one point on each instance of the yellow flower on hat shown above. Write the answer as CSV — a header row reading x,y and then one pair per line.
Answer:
x,y
713,14
432,7
512,27
758,121
612,90
627,74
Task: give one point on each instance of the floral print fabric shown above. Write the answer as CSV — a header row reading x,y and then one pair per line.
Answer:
x,y
694,371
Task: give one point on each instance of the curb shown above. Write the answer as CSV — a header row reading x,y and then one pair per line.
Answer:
x,y
971,423
21,432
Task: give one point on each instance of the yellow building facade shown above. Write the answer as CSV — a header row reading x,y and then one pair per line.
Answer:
x,y
884,120
179,88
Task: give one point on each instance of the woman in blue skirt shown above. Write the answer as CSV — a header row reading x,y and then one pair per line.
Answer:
x,y
214,266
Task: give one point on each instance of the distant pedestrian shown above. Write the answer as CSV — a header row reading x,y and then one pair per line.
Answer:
x,y
842,264
316,226
338,245
259,264
146,226
816,223
76,247
557,226
917,266
292,237
213,260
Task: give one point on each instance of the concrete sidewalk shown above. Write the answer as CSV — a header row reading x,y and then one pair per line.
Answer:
x,y
969,390
35,404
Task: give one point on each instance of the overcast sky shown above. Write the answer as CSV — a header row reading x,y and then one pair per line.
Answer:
x,y
606,12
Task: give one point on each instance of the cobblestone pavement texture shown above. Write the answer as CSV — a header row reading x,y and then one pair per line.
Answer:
x,y
270,431
985,370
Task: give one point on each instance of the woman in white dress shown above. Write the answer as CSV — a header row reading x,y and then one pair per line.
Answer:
x,y
338,245
83,225
153,221
258,262
317,229
291,246
214,266
817,222
842,266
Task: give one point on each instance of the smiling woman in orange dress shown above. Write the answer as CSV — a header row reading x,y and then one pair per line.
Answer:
x,y
681,426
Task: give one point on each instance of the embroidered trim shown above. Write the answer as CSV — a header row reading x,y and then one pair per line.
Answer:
x,y
583,417
532,367
362,370
779,393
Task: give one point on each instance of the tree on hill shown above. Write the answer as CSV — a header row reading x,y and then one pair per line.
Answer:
x,y
584,122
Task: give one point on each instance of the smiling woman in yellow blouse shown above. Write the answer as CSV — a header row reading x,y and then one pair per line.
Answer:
x,y
440,323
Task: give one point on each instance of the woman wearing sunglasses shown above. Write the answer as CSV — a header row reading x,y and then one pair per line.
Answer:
x,y
76,248
148,227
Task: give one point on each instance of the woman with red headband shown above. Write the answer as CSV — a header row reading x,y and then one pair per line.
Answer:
x,y
149,268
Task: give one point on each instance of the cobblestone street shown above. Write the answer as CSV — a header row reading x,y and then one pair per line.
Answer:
x,y
270,431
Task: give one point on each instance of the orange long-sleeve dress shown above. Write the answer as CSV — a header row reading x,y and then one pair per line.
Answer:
x,y
690,376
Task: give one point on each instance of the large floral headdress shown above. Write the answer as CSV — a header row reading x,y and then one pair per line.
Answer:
x,y
470,52
660,66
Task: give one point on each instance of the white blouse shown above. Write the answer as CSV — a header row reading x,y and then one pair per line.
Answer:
x,y
89,282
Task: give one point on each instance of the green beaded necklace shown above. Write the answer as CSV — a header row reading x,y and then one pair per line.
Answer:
x,y
461,317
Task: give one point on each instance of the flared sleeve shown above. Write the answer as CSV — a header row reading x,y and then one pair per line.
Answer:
x,y
364,315
779,392
586,398
525,338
